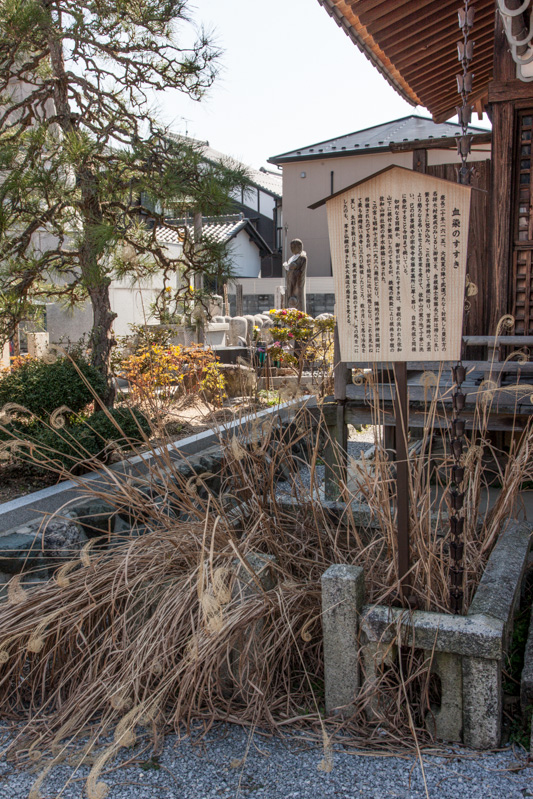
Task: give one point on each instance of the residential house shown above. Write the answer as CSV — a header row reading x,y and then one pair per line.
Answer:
x,y
252,234
313,171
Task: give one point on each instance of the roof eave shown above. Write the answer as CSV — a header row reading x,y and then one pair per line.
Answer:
x,y
404,91
445,143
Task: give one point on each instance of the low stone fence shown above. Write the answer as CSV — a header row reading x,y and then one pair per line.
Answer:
x,y
36,546
465,652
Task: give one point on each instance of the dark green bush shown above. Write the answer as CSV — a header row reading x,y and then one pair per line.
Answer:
x,y
79,440
132,425
42,387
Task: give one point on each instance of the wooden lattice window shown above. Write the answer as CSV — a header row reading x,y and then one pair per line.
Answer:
x,y
522,289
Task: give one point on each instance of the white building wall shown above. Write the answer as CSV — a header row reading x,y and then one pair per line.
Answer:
x,y
267,204
268,285
245,256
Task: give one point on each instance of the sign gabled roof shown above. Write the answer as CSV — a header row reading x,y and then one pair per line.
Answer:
x,y
410,174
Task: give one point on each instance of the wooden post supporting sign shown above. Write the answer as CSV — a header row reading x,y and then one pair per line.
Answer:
x,y
398,244
401,412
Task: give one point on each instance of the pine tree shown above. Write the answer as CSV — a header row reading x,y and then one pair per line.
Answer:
x,y
80,150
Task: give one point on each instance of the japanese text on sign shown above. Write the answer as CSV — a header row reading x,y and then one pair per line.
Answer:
x,y
398,244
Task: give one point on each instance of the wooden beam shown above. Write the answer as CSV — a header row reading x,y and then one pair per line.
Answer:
x,y
440,80
511,367
437,57
439,143
503,91
432,27
498,274
443,111
506,399
369,11
358,413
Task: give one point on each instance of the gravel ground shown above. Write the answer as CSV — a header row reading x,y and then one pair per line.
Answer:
x,y
231,763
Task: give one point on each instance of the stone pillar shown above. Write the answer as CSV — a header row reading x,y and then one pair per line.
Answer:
x,y
238,329
482,703
446,722
4,359
343,590
38,344
245,657
376,655
250,322
239,305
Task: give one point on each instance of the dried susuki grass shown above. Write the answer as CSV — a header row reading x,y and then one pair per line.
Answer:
x,y
174,627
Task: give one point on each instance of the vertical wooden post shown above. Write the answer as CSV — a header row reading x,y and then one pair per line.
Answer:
x,y
420,160
336,456
198,277
402,469
226,300
238,300
500,217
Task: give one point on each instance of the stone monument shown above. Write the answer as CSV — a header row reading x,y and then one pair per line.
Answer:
x,y
295,272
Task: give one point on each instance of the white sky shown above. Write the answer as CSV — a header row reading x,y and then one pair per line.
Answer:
x,y
289,77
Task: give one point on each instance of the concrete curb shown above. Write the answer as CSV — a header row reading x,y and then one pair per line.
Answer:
x,y
49,500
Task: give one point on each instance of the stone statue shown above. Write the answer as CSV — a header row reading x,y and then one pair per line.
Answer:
x,y
295,271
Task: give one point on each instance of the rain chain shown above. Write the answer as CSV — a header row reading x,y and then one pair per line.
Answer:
x,y
456,495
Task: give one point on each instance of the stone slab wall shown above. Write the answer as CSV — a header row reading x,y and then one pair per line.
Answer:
x,y
261,303
36,548
466,652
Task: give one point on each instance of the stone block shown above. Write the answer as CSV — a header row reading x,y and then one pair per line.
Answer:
x,y
446,721
498,592
95,516
20,549
62,540
526,682
5,359
124,530
216,334
250,322
240,380
482,703
342,599
471,636
4,580
376,656
238,330
38,344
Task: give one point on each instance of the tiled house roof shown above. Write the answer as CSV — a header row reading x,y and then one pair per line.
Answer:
x,y
377,138
219,229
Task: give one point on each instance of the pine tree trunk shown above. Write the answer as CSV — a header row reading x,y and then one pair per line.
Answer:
x,y
93,274
102,339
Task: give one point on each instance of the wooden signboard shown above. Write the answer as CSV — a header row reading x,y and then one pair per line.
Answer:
x,y
398,246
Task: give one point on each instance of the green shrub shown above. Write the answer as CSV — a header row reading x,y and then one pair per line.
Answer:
x,y
132,424
42,387
80,438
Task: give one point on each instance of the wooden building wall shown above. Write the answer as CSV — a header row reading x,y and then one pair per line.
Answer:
x,y
478,318
511,217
